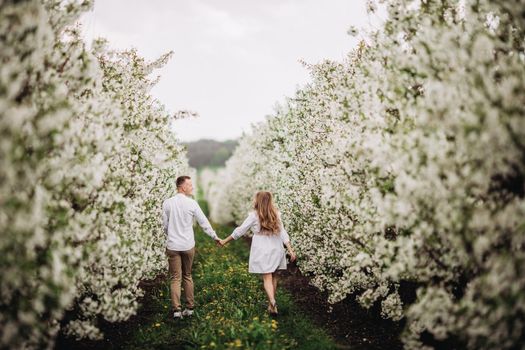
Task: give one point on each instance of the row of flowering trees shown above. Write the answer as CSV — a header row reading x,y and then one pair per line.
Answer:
x,y
406,163
85,154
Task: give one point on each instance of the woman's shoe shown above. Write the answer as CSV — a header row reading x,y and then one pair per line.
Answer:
x,y
272,309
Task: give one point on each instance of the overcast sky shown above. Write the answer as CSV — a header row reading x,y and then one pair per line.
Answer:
x,y
234,59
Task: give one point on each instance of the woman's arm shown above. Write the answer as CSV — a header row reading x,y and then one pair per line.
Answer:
x,y
241,230
290,251
286,240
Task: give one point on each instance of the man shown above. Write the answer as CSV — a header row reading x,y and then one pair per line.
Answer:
x,y
177,219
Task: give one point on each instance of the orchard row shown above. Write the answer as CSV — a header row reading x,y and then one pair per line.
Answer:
x,y
404,164
86,156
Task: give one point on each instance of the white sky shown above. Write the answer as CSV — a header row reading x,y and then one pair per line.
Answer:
x,y
234,59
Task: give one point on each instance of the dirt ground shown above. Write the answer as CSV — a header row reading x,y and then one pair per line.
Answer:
x,y
352,326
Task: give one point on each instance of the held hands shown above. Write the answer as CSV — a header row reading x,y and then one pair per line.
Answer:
x,y
220,242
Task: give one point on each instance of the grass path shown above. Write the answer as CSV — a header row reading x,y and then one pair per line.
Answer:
x,y
230,309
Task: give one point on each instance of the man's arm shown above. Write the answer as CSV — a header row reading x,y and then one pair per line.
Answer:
x,y
165,216
203,222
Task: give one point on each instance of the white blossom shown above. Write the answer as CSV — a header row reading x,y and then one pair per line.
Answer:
x,y
405,163
81,184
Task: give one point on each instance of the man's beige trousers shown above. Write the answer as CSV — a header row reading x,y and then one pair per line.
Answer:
x,y
180,264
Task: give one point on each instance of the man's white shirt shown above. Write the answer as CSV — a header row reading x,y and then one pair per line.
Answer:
x,y
177,219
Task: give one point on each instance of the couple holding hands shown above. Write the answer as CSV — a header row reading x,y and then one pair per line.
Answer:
x,y
267,254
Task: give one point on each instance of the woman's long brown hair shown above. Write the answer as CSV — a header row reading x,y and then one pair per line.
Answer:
x,y
267,213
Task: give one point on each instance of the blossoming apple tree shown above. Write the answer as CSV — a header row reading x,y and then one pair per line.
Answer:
x,y
86,154
405,162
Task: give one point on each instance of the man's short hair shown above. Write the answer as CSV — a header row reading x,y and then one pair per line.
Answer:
x,y
181,179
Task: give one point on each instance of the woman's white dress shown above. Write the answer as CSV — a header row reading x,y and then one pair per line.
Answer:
x,y
267,252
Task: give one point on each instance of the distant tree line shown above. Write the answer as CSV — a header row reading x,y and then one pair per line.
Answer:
x,y
209,153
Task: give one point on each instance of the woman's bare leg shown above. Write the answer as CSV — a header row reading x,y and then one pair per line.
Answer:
x,y
268,287
274,280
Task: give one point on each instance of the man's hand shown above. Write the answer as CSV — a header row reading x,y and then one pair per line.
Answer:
x,y
218,242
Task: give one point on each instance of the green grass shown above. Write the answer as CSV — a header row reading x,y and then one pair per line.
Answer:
x,y
230,309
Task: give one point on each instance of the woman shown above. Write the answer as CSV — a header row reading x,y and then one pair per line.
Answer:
x,y
267,254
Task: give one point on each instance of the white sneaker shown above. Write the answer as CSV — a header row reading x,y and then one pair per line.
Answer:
x,y
187,312
177,315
